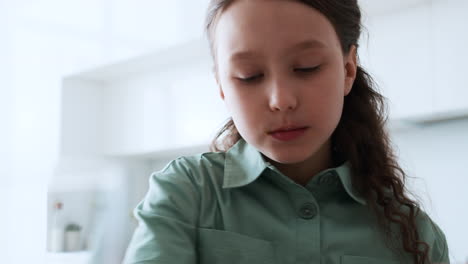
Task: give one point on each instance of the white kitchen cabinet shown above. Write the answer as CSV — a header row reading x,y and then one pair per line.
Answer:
x,y
163,101
398,55
418,57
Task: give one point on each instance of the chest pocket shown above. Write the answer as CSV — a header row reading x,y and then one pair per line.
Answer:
x,y
347,259
219,246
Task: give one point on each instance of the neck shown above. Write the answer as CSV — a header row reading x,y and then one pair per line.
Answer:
x,y
304,171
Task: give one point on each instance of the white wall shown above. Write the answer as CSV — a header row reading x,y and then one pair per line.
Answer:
x,y
417,56
5,122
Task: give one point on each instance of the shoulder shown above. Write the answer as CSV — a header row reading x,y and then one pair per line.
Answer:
x,y
180,184
192,169
431,233
201,161
194,164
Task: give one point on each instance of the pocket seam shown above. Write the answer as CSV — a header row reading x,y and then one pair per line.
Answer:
x,y
221,241
237,235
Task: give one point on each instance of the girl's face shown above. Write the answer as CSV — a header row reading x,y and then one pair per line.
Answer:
x,y
280,63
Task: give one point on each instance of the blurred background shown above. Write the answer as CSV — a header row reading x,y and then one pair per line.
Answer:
x,y
97,94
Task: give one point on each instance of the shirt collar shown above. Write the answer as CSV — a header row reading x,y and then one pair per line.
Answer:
x,y
244,164
344,173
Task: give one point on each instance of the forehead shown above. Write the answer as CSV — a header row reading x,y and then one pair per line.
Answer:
x,y
254,27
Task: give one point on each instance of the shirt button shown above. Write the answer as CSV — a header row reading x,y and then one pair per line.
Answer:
x,y
331,178
308,211
335,180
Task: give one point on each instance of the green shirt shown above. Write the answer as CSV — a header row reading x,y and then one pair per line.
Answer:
x,y
234,207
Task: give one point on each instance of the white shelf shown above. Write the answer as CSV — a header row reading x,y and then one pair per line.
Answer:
x,y
79,257
422,121
168,153
156,61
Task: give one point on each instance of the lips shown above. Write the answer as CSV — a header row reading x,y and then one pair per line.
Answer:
x,y
287,129
288,134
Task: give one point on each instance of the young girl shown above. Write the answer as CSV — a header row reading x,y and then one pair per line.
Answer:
x,y
304,171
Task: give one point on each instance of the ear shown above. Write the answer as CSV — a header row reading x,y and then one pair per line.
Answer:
x,y
350,69
218,83
221,93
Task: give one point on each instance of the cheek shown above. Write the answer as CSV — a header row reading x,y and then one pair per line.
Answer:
x,y
236,102
244,109
324,99
322,92
331,84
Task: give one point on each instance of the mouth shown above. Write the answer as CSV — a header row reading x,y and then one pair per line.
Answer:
x,y
287,129
288,134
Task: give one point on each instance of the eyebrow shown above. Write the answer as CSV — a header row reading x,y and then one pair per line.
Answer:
x,y
303,45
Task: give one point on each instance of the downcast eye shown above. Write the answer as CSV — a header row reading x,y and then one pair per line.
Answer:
x,y
309,69
251,78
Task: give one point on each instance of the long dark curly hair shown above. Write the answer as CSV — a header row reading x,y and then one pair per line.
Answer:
x,y
360,137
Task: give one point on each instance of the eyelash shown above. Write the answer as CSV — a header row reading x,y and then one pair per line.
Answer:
x,y
301,70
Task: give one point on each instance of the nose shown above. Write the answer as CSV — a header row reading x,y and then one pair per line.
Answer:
x,y
282,96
